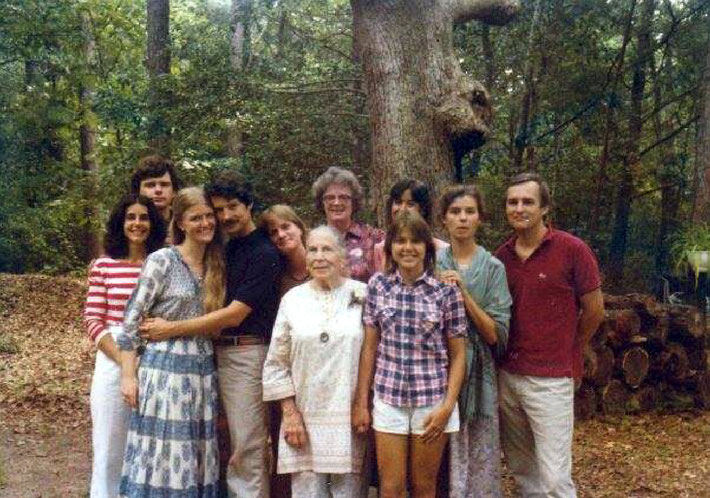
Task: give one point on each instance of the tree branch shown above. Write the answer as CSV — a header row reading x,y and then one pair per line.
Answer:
x,y
669,136
495,12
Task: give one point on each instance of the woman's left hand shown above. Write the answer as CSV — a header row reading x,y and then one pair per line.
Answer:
x,y
435,423
156,329
451,277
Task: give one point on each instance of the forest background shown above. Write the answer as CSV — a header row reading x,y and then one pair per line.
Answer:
x,y
607,99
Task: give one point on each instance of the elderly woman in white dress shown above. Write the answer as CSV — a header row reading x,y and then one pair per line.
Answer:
x,y
311,368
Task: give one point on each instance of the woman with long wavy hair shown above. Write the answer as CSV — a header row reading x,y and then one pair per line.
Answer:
x,y
134,230
171,447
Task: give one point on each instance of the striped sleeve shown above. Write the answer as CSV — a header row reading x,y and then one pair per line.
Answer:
x,y
111,283
96,304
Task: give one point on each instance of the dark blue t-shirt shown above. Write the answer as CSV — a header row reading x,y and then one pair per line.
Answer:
x,y
253,278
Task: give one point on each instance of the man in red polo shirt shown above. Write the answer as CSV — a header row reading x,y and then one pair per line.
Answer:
x,y
557,305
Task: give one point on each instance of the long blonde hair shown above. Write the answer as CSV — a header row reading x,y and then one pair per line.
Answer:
x,y
215,287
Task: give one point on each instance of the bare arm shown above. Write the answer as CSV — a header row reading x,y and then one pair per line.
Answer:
x,y
436,421
366,370
109,347
129,378
592,305
157,329
294,429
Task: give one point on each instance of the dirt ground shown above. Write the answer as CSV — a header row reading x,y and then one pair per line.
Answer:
x,y
45,371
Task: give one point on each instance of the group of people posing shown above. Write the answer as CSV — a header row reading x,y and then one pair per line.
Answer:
x,y
312,341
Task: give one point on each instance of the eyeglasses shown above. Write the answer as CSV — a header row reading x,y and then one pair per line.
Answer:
x,y
341,198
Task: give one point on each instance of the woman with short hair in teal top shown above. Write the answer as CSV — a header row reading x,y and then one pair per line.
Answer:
x,y
475,450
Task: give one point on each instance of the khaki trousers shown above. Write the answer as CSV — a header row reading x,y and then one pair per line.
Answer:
x,y
536,427
240,371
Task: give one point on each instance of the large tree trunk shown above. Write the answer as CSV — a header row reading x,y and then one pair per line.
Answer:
x,y
701,182
522,138
632,160
424,111
239,50
616,74
87,142
158,65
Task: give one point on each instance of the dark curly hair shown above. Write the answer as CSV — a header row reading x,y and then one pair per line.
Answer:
x,y
230,185
153,167
420,195
115,242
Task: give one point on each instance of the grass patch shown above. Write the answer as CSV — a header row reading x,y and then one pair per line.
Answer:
x,y
8,345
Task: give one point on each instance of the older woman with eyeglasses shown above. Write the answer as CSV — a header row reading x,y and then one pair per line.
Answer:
x,y
338,194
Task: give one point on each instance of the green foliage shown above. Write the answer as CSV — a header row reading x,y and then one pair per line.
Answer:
x,y
297,105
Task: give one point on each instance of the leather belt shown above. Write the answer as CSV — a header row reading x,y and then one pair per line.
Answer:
x,y
239,340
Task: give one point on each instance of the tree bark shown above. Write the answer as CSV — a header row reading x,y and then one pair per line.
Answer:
x,y
613,397
598,365
239,42
621,326
687,325
158,65
672,364
87,142
239,49
616,73
423,109
632,160
585,403
644,399
523,136
633,365
701,207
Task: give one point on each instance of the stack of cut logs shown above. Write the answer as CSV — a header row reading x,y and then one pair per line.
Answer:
x,y
645,355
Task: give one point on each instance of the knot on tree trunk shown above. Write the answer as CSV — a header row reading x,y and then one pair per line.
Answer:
x,y
465,114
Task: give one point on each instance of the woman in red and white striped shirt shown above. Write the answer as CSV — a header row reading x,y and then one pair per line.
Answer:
x,y
134,230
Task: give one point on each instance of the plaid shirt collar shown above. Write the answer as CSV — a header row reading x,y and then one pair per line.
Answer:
x,y
427,277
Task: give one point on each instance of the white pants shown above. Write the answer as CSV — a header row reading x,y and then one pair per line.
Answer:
x,y
537,423
110,418
313,485
240,371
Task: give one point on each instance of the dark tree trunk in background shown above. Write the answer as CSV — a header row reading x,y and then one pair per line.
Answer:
x,y
632,161
667,169
616,73
87,142
424,111
239,50
522,139
701,208
158,65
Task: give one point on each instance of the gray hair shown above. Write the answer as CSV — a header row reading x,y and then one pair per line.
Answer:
x,y
331,233
340,176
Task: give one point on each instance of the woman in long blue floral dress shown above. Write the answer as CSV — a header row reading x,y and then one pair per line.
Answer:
x,y
474,461
171,449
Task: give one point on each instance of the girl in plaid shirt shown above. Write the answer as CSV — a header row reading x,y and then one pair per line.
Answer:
x,y
415,328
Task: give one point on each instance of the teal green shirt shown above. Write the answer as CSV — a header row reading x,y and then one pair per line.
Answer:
x,y
486,282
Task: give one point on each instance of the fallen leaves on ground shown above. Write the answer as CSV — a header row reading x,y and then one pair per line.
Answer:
x,y
45,373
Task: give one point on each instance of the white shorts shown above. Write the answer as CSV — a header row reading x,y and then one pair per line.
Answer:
x,y
405,419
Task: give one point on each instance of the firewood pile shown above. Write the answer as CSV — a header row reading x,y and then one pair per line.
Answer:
x,y
645,355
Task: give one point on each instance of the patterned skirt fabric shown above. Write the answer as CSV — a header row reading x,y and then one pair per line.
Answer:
x,y
475,460
172,447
